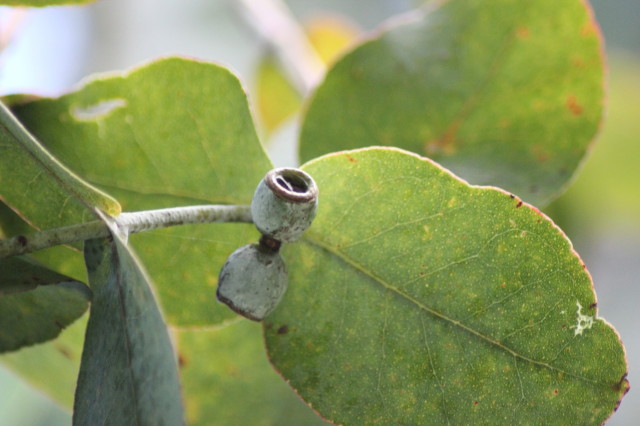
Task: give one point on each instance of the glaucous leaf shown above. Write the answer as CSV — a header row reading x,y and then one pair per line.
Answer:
x,y
173,132
416,298
36,304
501,92
128,373
227,380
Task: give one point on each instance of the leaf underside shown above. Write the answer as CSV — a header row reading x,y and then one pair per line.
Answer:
x,y
36,304
501,92
416,298
128,374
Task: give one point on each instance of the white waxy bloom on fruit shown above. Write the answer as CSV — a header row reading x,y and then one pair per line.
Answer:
x,y
253,281
284,204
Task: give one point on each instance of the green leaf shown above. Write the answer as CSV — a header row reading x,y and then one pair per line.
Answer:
x,y
416,298
36,304
59,359
128,374
174,132
618,198
276,98
501,92
38,186
228,381
62,355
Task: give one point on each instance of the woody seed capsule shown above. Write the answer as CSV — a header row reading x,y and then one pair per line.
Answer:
x,y
284,204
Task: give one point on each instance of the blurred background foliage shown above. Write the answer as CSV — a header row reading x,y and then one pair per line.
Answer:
x,y
47,51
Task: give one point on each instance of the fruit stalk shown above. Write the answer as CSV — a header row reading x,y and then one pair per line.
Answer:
x,y
127,223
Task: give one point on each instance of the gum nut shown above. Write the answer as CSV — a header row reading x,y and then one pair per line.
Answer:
x,y
252,281
284,204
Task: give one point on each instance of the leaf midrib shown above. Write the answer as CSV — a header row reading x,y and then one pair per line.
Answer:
x,y
314,241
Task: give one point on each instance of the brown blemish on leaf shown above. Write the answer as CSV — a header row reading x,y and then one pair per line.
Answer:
x,y
350,158
577,61
556,391
475,402
519,204
446,144
589,29
283,329
593,305
623,383
64,351
573,105
182,360
540,153
523,32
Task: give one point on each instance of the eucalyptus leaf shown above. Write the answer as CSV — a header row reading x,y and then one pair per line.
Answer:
x,y
416,298
36,304
174,132
59,358
227,380
128,374
502,92
38,186
62,355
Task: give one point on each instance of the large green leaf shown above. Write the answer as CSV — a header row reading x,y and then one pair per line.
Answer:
x,y
416,298
171,133
228,381
39,187
36,304
502,92
128,374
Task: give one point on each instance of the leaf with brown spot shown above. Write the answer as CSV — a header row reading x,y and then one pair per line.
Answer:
x,y
474,85
492,312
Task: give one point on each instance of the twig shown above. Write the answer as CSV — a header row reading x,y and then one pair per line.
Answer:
x,y
275,23
127,223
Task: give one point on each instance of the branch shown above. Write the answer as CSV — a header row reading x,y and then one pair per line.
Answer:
x,y
275,23
128,223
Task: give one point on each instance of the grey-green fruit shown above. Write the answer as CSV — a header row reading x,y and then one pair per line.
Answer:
x,y
284,204
252,281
